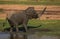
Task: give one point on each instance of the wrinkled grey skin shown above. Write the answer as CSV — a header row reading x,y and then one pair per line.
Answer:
x,y
22,18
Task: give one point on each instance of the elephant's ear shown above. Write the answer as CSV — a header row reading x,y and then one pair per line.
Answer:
x,y
29,9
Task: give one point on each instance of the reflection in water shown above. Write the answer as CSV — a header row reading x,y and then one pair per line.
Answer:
x,y
30,36
18,36
49,37
11,36
25,36
42,37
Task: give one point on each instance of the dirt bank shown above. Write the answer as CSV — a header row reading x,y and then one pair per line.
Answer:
x,y
37,7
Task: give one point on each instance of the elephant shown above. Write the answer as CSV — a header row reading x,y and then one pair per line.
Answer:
x,y
22,18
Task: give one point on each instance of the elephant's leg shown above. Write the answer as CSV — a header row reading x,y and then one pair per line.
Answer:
x,y
11,29
11,32
11,25
17,30
25,22
15,24
26,30
25,26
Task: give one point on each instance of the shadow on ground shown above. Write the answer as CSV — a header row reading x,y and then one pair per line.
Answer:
x,y
30,28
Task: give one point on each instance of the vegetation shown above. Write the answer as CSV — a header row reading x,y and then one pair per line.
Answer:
x,y
53,25
31,2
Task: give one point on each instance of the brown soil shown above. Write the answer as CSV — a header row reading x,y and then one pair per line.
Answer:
x,y
37,7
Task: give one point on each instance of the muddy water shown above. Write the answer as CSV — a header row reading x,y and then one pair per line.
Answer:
x,y
43,37
4,35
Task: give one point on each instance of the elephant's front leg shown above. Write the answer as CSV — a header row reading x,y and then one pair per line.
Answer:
x,y
25,22
25,26
26,30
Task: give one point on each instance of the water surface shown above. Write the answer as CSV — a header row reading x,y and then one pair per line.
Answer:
x,y
4,35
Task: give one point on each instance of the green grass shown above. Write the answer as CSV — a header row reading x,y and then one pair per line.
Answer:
x,y
53,25
50,24
31,2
